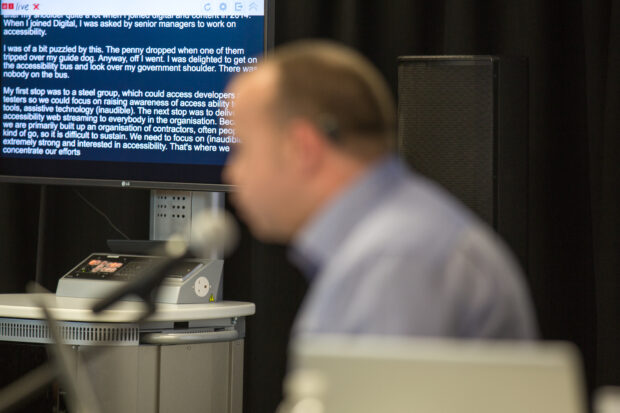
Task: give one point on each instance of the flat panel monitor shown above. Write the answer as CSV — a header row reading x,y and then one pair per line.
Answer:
x,y
124,93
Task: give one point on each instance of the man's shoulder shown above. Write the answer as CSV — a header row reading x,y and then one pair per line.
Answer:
x,y
416,213
419,263
420,223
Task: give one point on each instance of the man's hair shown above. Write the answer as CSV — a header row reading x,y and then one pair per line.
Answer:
x,y
340,91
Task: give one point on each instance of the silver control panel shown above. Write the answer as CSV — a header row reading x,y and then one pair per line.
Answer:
x,y
189,281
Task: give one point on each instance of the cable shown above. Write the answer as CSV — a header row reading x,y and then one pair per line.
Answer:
x,y
90,204
38,272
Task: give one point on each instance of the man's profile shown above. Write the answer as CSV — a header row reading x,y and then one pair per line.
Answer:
x,y
386,251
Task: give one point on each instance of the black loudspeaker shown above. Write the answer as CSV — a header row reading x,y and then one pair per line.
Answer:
x,y
463,122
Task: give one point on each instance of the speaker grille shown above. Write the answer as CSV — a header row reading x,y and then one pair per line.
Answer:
x,y
446,126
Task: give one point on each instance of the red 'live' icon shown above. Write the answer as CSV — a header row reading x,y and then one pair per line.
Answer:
x,y
8,5
35,6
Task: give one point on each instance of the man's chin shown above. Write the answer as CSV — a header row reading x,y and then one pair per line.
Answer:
x,y
268,236
260,228
266,233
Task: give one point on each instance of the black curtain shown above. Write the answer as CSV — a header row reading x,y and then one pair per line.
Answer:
x,y
574,172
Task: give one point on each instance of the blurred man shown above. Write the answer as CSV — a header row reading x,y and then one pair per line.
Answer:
x,y
385,250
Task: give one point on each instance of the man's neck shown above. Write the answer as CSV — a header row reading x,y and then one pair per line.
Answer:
x,y
339,173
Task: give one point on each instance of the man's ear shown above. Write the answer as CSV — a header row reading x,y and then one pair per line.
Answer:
x,y
308,146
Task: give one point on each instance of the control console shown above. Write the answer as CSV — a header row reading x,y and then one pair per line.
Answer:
x,y
190,281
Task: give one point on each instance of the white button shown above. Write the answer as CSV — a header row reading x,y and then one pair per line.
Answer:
x,y
201,286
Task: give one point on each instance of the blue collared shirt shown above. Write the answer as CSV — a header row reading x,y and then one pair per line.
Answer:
x,y
395,254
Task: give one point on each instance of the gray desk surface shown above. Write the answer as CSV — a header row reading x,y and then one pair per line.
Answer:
x,y
78,309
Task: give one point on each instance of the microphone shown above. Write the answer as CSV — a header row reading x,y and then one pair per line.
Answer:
x,y
212,235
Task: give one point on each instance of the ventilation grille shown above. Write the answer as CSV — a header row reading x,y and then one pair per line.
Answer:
x,y
170,213
73,333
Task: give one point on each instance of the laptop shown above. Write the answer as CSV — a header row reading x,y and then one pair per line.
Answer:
x,y
357,374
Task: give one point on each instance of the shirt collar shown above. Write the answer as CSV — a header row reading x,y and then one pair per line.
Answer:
x,y
331,225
